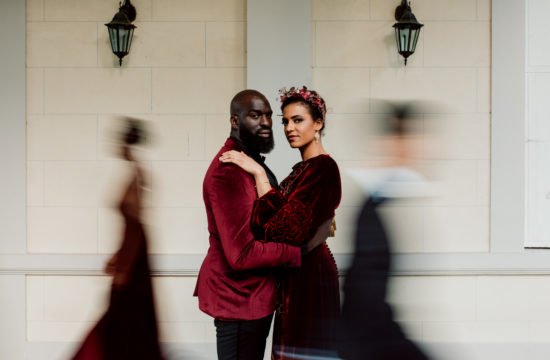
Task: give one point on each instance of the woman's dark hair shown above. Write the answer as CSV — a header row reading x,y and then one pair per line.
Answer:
x,y
313,110
134,133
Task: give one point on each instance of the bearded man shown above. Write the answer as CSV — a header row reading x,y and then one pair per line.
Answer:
x,y
236,283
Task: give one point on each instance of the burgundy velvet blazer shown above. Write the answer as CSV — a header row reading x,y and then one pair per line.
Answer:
x,y
235,280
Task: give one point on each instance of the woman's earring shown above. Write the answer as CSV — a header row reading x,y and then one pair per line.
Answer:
x,y
317,136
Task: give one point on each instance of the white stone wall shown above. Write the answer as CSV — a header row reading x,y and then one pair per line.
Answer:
x,y
356,66
187,60
181,51
55,314
442,312
473,310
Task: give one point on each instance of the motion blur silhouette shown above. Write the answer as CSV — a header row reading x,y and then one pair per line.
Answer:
x,y
128,329
367,329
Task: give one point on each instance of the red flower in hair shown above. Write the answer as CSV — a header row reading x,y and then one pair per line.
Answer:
x,y
311,97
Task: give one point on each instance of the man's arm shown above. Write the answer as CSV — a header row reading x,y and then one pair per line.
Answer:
x,y
232,195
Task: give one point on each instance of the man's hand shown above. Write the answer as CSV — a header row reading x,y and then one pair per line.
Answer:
x,y
320,236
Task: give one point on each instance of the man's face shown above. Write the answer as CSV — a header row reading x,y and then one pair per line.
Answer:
x,y
255,124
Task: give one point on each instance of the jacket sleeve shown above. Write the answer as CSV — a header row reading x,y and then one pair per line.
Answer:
x,y
232,195
290,220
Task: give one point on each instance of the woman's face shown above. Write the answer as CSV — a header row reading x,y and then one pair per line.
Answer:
x,y
299,125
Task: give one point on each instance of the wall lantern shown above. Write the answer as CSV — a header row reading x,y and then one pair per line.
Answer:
x,y
121,30
407,29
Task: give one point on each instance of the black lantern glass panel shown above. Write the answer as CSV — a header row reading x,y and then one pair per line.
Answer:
x,y
121,30
407,30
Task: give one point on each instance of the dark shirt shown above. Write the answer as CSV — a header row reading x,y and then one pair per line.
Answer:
x,y
260,160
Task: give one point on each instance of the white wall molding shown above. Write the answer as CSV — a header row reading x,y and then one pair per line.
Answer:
x,y
528,263
13,315
508,126
13,184
278,55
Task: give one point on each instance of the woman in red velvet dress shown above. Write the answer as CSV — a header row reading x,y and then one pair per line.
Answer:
x,y
128,330
309,301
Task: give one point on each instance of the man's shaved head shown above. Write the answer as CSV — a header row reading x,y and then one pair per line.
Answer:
x,y
241,101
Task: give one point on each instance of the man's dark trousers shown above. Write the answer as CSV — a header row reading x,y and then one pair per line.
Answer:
x,y
242,340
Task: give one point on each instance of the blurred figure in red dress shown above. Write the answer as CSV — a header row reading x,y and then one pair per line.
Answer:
x,y
128,329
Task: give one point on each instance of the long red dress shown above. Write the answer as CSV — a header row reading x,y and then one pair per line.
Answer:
x,y
309,298
128,329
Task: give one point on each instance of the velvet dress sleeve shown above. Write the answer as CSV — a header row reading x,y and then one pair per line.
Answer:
x,y
293,219
232,195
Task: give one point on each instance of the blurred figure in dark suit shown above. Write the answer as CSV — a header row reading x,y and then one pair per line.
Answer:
x,y
367,329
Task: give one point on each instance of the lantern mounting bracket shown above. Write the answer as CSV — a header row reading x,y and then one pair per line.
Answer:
x,y
128,9
401,9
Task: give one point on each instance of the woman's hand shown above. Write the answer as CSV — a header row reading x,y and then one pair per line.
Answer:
x,y
120,279
110,267
243,161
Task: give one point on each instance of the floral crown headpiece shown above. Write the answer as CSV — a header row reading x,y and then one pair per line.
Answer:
x,y
308,96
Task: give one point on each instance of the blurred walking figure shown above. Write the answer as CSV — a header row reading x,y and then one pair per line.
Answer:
x,y
368,331
128,330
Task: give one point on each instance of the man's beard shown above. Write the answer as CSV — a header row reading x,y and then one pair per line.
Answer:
x,y
256,143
